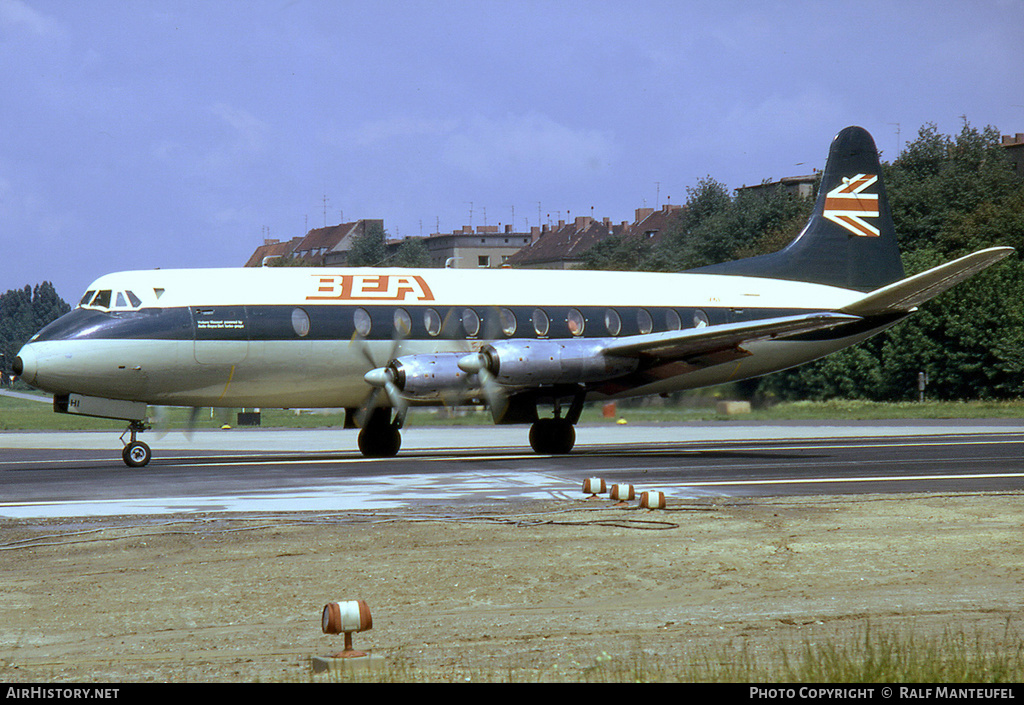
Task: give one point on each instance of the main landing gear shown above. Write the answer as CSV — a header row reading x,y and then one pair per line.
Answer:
x,y
557,436
552,436
380,436
136,454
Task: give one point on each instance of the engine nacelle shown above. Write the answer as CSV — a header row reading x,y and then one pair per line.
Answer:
x,y
432,376
541,362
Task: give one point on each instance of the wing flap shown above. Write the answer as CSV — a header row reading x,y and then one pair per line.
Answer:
x,y
679,345
907,294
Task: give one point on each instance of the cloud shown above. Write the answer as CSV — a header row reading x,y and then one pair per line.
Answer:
x,y
17,15
382,132
249,129
532,142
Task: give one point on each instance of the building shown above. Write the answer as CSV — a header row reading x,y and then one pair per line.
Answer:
x,y
564,246
1014,147
650,224
271,250
321,246
487,246
802,186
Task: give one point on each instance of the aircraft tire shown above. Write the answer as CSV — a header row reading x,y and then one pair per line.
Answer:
x,y
380,441
552,436
136,454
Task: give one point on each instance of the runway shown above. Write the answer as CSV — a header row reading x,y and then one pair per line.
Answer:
x,y
250,470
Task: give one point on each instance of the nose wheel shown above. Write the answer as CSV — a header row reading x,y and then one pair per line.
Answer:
x,y
136,454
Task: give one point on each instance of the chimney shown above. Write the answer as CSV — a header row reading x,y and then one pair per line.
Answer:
x,y
534,233
508,229
642,213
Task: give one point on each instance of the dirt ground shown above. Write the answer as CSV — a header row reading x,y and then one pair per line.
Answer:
x,y
546,591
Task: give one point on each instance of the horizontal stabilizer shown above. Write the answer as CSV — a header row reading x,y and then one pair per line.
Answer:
x,y
677,345
906,294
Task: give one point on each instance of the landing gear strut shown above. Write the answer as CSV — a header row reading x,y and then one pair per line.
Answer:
x,y
136,454
380,436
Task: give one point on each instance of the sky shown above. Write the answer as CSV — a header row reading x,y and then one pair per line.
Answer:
x,y
166,134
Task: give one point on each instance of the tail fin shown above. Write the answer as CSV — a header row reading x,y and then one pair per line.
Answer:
x,y
849,240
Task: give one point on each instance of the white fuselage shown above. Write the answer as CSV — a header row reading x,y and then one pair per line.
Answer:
x,y
300,337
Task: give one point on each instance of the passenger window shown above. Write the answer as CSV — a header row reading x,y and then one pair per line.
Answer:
x,y
300,322
672,320
470,322
644,322
403,322
612,322
576,322
432,321
361,320
508,322
540,322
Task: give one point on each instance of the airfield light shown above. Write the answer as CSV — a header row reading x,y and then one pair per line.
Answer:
x,y
593,486
652,499
347,617
622,493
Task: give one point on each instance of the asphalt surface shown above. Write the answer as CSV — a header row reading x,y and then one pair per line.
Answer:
x,y
247,470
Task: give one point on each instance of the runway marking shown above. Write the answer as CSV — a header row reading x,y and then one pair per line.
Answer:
x,y
839,480
509,453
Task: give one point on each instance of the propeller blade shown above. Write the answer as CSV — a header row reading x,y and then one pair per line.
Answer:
x,y
384,378
478,363
190,425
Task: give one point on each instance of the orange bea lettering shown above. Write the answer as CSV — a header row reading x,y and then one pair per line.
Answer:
x,y
371,287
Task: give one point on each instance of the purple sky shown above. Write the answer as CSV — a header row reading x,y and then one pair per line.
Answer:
x,y
180,134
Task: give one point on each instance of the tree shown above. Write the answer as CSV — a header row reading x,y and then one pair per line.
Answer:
x,y
948,197
411,253
369,248
23,312
617,253
937,180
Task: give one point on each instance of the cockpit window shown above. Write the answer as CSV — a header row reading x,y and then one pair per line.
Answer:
x,y
110,299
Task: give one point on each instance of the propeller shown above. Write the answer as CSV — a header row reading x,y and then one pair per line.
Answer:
x,y
162,422
384,378
381,377
481,364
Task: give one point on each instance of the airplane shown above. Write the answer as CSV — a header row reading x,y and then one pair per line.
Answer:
x,y
377,341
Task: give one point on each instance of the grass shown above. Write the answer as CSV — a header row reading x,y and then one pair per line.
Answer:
x,y
21,414
868,656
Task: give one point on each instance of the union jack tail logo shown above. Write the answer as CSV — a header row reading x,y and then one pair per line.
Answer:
x,y
848,205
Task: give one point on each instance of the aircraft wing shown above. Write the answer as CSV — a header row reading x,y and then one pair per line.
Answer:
x,y
677,345
907,294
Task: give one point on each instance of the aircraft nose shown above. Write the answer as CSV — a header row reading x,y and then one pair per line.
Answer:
x,y
25,364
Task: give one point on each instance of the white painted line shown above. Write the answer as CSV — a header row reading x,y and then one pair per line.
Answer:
x,y
839,480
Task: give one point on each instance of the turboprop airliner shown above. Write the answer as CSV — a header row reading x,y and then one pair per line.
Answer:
x,y
378,341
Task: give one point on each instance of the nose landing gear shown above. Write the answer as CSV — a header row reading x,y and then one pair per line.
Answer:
x,y
136,454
